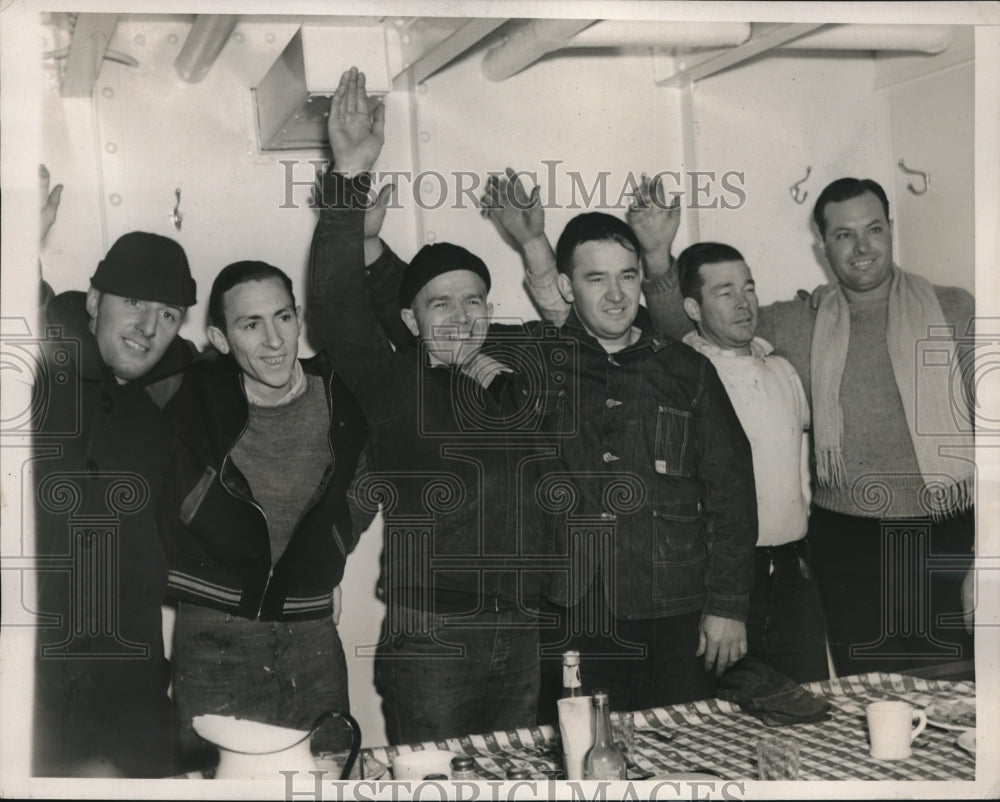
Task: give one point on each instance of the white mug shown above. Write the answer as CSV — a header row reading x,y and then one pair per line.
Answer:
x,y
891,730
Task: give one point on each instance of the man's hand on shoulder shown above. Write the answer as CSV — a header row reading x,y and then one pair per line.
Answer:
x,y
356,125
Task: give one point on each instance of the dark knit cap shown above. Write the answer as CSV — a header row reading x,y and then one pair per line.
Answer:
x,y
147,267
433,260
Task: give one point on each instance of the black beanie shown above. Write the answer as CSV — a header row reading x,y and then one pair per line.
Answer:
x,y
433,260
147,267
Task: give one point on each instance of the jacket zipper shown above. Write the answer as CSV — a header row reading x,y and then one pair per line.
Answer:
x,y
248,499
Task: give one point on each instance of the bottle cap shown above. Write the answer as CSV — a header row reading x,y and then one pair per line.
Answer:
x,y
463,763
571,658
518,774
600,697
435,777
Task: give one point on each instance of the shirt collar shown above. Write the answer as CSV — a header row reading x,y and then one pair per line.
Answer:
x,y
298,388
759,347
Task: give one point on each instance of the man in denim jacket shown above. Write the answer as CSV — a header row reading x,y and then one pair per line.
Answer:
x,y
660,538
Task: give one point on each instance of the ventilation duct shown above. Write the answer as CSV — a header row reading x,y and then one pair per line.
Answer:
x,y
293,99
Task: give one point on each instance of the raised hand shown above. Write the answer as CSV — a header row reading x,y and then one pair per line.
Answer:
x,y
654,221
514,212
356,125
50,201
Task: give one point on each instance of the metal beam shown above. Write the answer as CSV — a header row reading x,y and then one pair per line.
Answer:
x,y
447,51
90,41
775,37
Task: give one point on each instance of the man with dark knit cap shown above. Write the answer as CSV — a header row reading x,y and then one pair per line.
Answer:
x,y
454,445
102,451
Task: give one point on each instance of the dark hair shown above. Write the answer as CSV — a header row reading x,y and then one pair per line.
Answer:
x,y
592,227
240,273
693,257
844,189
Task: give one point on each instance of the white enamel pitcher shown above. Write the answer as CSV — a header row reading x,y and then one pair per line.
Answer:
x,y
252,750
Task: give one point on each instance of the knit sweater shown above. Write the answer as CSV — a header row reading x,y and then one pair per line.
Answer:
x,y
283,453
877,442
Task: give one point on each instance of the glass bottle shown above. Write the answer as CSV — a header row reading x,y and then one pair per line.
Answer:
x,y
571,675
604,761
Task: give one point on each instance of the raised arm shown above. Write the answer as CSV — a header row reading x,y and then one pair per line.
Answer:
x,y
520,219
341,319
655,222
49,209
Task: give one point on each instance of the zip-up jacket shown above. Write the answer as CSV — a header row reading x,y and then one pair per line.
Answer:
x,y
222,556
454,463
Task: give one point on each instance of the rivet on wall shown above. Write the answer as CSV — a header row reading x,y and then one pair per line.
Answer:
x,y
140,39
430,236
269,38
422,88
111,147
238,38
115,199
172,38
425,136
108,92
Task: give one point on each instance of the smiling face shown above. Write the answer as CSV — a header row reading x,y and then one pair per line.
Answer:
x,y
262,334
727,313
451,316
132,335
858,245
604,287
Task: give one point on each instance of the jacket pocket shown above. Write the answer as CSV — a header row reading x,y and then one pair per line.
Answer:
x,y
193,500
678,556
673,431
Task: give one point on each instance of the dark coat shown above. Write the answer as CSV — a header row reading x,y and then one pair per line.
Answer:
x,y
222,555
101,453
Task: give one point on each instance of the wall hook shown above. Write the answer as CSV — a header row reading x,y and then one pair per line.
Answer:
x,y
794,188
924,176
175,216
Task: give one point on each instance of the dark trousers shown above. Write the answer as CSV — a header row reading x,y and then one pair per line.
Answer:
x,y
643,663
892,589
443,676
785,626
285,673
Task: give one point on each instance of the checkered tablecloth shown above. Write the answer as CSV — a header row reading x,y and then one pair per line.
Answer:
x,y
716,736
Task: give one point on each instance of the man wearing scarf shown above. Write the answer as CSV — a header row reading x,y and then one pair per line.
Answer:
x,y
884,358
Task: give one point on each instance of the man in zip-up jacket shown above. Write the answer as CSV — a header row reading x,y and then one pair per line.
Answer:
x,y
268,446
456,431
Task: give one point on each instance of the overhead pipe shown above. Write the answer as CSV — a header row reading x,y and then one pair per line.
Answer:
x,y
204,43
916,38
630,33
527,44
536,38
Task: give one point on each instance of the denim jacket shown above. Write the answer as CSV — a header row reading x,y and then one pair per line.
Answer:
x,y
663,478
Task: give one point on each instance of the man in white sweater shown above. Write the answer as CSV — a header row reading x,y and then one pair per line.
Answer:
x,y
785,627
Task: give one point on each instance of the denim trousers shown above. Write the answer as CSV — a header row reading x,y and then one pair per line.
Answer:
x,y
785,626
892,589
642,663
443,676
285,673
